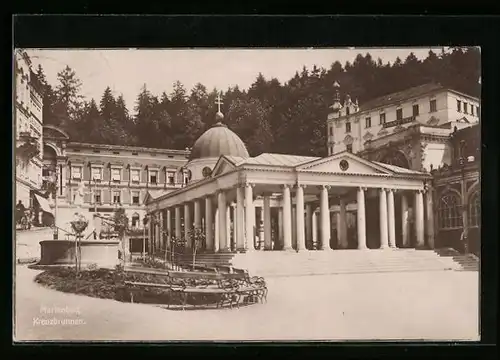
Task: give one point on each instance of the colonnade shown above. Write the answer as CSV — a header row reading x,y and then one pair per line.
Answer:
x,y
301,225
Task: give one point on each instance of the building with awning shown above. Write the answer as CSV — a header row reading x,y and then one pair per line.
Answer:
x,y
44,204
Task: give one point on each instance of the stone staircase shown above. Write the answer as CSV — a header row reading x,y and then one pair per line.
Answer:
x,y
279,263
467,262
283,263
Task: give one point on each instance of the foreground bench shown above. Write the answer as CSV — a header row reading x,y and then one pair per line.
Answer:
x,y
227,288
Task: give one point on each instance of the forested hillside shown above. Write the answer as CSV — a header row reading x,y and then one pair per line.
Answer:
x,y
269,116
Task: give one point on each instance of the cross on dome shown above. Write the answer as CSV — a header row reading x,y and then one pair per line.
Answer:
x,y
219,102
219,116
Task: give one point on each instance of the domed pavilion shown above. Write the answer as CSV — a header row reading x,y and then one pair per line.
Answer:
x,y
217,141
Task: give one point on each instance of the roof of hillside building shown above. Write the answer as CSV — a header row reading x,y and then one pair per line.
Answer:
x,y
403,95
126,147
217,141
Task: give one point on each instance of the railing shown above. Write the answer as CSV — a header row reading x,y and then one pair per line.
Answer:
x,y
405,120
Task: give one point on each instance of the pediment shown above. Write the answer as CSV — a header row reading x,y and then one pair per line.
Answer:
x,y
223,165
344,162
463,120
53,132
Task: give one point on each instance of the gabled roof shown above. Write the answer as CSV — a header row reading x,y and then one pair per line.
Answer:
x,y
224,161
318,164
154,194
279,160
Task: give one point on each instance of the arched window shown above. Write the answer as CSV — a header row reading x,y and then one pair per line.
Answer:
x,y
449,213
135,220
475,209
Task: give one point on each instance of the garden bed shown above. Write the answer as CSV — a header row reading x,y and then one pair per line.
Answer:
x,y
110,284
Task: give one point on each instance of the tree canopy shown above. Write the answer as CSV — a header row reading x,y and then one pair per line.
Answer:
x,y
269,116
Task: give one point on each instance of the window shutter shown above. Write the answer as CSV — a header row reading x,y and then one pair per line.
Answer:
x,y
126,174
68,172
180,177
144,175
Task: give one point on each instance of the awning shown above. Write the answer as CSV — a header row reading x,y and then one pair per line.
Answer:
x,y
44,204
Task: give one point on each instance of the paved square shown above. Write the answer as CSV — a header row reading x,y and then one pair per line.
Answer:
x,y
420,305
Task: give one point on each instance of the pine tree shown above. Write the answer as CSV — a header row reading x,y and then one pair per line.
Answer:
x,y
69,99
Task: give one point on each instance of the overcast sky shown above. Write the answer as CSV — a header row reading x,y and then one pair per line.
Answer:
x,y
125,71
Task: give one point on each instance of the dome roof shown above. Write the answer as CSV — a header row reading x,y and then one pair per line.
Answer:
x,y
217,141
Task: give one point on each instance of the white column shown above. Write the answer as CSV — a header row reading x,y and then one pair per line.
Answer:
x,y
299,211
187,225
177,214
287,219
197,214
314,221
361,219
209,238
419,218
294,226
240,222
160,233
228,228
325,219
384,240
169,228
260,228
343,224
391,218
430,219
222,207
267,223
249,218
280,227
405,223
308,226
217,231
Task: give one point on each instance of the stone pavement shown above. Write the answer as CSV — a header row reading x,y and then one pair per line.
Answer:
x,y
386,306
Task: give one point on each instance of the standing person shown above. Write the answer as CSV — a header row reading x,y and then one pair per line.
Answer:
x,y
20,209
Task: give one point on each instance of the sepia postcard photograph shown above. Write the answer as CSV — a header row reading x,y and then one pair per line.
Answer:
x,y
247,194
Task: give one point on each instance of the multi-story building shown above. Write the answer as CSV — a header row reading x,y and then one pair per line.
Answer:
x,y
458,194
423,128
28,107
109,176
409,128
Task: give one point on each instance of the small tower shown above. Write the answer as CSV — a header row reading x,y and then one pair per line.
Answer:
x,y
336,106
